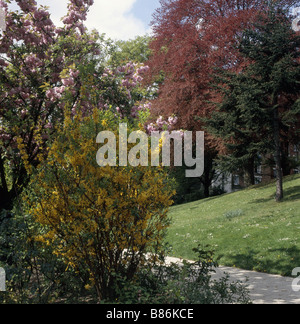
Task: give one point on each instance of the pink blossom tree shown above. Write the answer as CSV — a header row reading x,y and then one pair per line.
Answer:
x,y
46,70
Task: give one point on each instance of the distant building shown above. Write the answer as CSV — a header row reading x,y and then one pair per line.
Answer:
x,y
263,174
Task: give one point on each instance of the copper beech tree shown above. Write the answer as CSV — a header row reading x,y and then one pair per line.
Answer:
x,y
191,39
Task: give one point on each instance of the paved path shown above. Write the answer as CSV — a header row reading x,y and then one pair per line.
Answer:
x,y
264,288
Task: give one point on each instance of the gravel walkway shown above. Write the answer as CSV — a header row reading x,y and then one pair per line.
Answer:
x,y
264,288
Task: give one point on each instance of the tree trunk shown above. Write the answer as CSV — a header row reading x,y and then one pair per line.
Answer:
x,y
9,195
277,158
207,185
249,176
6,200
209,173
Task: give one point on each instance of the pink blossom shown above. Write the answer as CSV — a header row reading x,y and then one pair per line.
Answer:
x,y
68,82
172,120
49,126
74,74
150,128
24,113
160,122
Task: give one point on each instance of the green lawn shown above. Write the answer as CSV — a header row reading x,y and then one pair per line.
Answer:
x,y
246,229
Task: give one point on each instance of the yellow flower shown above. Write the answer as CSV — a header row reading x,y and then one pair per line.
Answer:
x,y
104,123
88,287
88,212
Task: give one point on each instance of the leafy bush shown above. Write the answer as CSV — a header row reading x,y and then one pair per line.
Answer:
x,y
33,273
189,283
99,220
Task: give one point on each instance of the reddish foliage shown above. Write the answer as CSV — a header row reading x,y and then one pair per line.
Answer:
x,y
191,38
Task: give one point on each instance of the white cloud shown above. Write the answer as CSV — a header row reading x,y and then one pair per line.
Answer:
x,y
112,17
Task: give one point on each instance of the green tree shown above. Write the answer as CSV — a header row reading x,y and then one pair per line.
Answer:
x,y
136,50
235,121
261,103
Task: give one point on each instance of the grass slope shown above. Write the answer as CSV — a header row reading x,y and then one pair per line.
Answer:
x,y
246,229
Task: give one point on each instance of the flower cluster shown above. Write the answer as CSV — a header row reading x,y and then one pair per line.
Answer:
x,y
162,124
34,55
77,14
132,74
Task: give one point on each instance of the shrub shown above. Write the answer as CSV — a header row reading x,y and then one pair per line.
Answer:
x,y
233,214
99,220
34,275
187,283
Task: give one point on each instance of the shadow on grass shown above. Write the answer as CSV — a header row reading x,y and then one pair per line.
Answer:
x,y
272,182
292,193
263,200
194,204
289,259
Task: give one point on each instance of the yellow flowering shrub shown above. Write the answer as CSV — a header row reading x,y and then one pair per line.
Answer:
x,y
101,219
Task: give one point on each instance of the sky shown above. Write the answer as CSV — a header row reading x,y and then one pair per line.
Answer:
x,y
118,19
